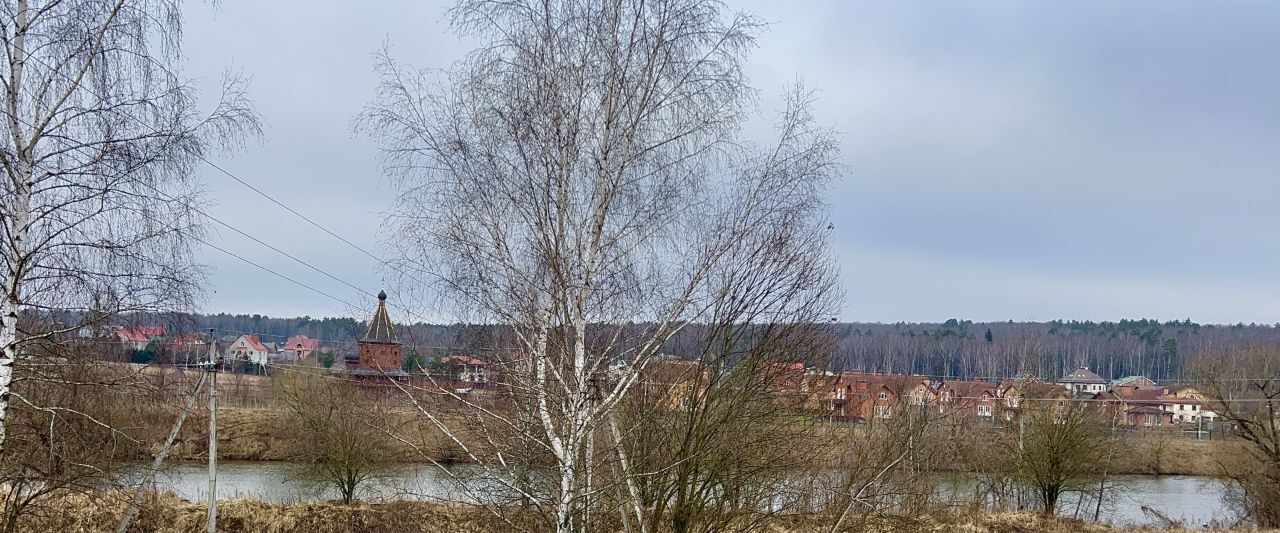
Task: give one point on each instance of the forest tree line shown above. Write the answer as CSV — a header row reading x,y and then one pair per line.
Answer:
x,y
956,348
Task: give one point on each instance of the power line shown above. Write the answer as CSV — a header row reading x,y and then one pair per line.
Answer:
x,y
201,157
229,174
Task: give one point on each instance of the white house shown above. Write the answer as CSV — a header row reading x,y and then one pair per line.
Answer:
x,y
1084,380
248,346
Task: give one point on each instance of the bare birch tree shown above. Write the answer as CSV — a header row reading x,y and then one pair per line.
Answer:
x,y
581,171
1243,387
101,137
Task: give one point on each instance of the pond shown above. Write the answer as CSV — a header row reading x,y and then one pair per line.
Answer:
x,y
1192,499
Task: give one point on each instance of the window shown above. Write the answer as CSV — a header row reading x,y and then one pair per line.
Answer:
x,y
1153,420
840,393
884,396
882,411
918,399
1013,401
984,410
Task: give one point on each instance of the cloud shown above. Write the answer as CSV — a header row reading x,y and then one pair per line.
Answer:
x,y
1007,159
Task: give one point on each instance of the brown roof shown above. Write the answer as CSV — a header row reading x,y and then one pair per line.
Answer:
x,y
1041,390
380,328
1083,375
894,383
968,389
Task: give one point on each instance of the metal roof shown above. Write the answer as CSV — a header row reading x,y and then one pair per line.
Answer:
x,y
1084,376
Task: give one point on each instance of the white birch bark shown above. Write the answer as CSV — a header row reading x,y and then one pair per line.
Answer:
x,y
580,179
97,198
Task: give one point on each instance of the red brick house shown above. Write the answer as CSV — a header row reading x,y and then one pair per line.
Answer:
x,y
1155,406
968,398
859,396
1020,395
300,347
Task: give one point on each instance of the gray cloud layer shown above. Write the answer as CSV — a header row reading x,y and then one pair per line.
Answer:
x,y
1007,159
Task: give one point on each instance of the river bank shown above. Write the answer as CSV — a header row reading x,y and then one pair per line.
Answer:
x,y
166,513
262,434
1193,500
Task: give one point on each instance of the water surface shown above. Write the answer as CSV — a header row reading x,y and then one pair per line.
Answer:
x,y
1195,500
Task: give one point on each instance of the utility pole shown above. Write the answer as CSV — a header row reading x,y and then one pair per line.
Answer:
x,y
213,433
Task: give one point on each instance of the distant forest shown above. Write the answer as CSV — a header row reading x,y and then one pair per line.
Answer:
x,y
954,349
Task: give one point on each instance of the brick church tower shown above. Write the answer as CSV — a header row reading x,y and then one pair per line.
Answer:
x,y
379,349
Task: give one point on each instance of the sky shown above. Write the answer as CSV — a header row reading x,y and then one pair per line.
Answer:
x,y
1004,160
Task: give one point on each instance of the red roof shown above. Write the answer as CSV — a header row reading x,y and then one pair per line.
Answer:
x,y
151,331
254,343
301,342
131,335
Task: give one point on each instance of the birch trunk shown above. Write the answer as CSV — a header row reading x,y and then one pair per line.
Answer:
x,y
579,178
21,213
97,198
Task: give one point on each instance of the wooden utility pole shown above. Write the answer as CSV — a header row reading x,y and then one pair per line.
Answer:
x,y
132,510
213,434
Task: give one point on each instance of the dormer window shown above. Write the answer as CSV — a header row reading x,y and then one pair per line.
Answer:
x,y
884,396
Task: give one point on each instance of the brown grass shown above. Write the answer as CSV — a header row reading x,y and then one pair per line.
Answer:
x,y
165,513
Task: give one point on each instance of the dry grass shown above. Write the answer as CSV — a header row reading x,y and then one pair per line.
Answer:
x,y
1009,522
1031,522
165,513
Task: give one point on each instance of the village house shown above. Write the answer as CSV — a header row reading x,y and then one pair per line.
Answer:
x,y
250,348
858,396
1016,396
670,384
1084,381
1189,405
299,347
1009,383
467,370
968,398
131,339
1157,406
137,337
789,383
1136,382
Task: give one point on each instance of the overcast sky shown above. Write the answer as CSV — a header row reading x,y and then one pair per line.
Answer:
x,y
1007,160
